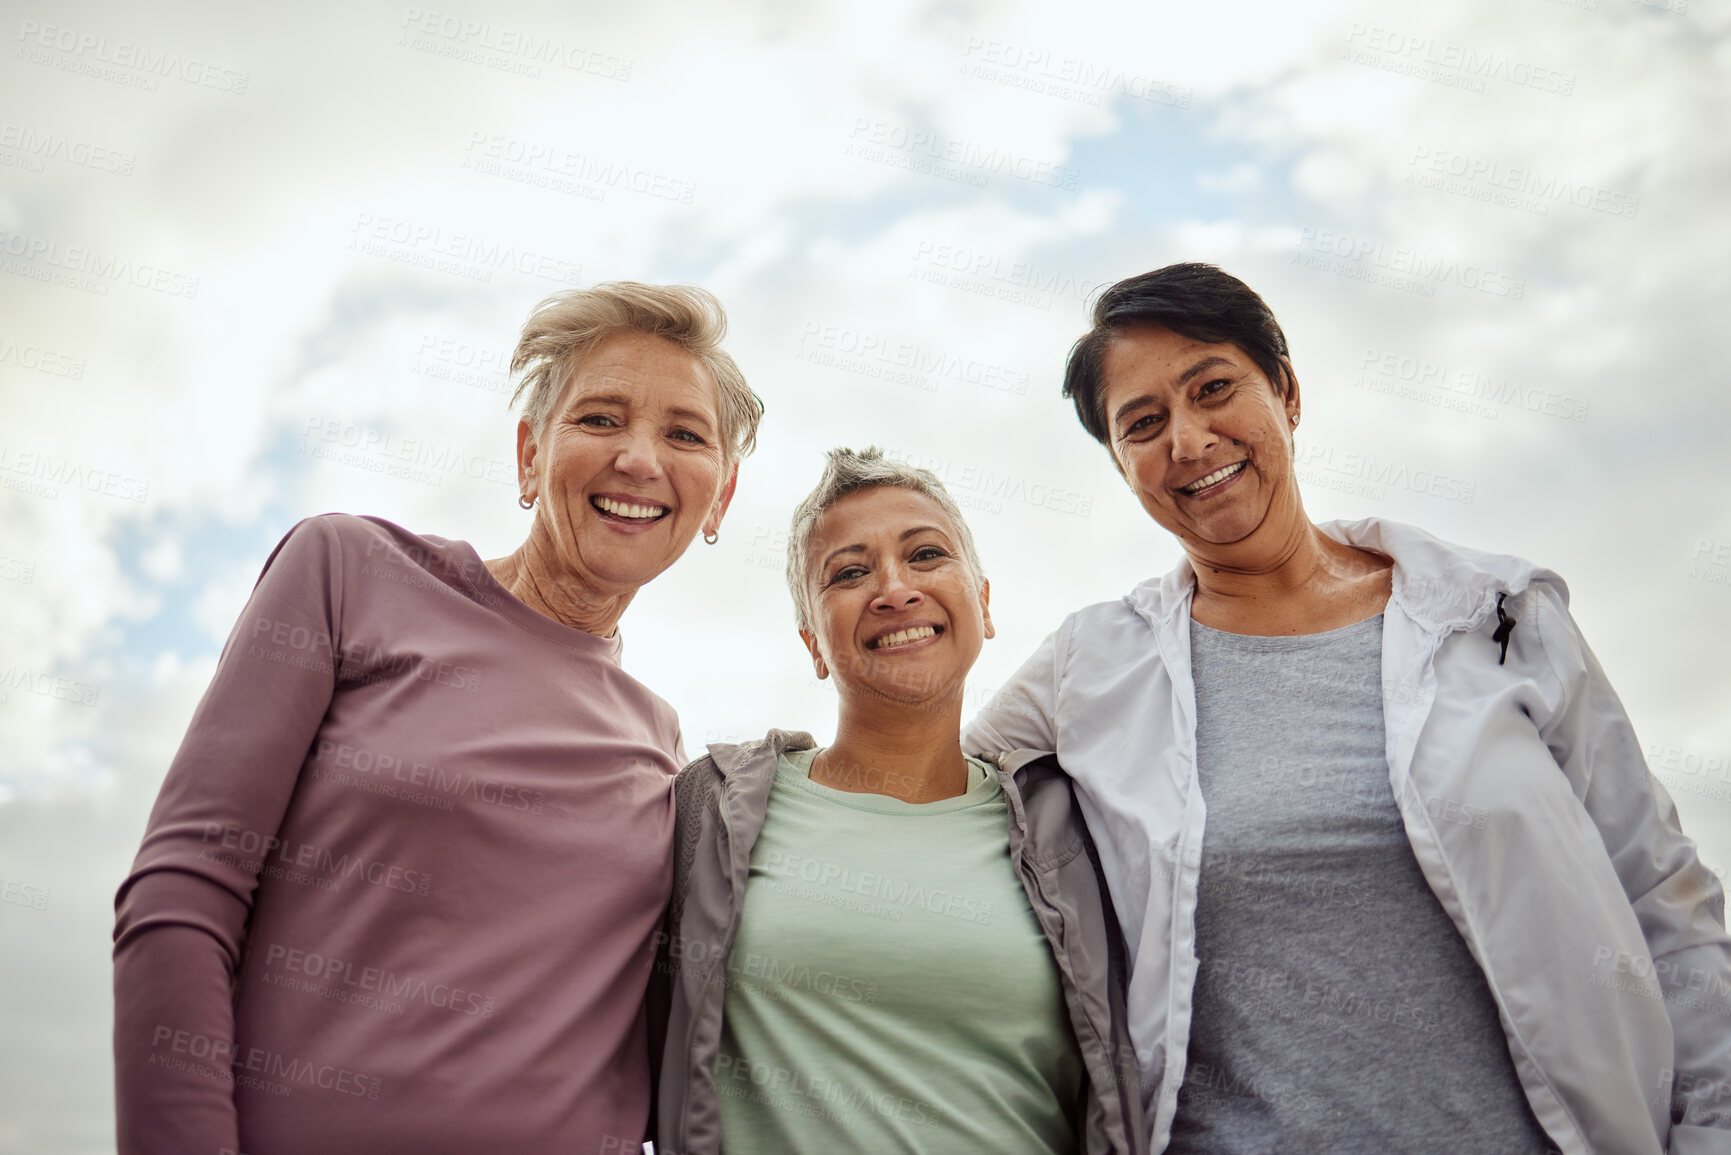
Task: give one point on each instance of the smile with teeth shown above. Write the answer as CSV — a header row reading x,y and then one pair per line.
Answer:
x,y
629,511
903,637
1214,478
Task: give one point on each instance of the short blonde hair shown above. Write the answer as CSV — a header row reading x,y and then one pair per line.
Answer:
x,y
566,327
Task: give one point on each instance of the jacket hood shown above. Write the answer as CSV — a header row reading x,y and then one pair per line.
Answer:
x,y
1436,583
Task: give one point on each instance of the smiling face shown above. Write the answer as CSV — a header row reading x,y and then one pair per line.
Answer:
x,y
1202,436
629,466
897,614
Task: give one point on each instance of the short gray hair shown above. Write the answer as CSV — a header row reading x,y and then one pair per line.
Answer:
x,y
849,472
567,327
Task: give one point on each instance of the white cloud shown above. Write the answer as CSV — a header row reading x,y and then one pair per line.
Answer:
x,y
1216,132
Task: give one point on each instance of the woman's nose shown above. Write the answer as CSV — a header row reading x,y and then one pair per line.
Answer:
x,y
638,457
896,592
1191,436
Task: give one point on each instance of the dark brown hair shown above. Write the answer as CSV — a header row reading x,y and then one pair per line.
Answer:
x,y
1194,300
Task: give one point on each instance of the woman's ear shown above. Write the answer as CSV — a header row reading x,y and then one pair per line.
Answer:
x,y
817,662
1289,395
986,607
527,450
712,523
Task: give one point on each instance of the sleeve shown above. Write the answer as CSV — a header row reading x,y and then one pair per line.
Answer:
x,y
181,914
1676,899
1023,714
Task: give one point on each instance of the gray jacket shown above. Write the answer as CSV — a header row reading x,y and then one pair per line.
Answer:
x,y
721,801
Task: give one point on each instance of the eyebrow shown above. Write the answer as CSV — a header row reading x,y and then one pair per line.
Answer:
x,y
578,396
1184,378
1203,366
691,414
905,534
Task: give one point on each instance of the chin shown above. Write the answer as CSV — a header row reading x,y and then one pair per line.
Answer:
x,y
1226,535
618,569
1224,531
899,697
913,691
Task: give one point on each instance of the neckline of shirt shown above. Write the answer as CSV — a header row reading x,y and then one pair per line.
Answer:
x,y
794,768
493,595
1264,643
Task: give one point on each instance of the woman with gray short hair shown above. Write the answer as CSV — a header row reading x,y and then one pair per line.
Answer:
x,y
399,889
1399,877
882,945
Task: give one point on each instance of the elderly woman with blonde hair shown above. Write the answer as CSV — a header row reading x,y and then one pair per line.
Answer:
x,y
399,888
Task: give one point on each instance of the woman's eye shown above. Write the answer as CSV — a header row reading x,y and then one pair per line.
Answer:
x,y
1213,387
599,420
847,573
928,553
1143,424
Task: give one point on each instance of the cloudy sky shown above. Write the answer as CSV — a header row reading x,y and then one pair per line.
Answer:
x,y
247,259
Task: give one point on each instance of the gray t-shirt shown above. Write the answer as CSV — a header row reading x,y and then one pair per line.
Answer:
x,y
1336,1007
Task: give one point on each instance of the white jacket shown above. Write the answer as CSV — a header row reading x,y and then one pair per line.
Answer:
x,y
1524,795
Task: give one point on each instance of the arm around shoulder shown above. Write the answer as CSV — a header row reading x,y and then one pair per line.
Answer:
x,y
1023,714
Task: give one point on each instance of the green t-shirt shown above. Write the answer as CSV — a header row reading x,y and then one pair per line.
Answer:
x,y
889,988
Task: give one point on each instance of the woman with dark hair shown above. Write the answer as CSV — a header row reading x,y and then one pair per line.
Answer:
x,y
399,889
1393,872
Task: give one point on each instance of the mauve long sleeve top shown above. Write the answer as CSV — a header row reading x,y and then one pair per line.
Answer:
x,y
399,889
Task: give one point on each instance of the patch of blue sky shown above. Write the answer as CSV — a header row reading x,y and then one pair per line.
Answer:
x,y
1170,164
851,217
693,254
208,545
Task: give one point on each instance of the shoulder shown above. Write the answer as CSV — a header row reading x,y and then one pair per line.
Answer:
x,y
1565,649
358,536
310,549
371,536
697,782
1116,612
696,794
1106,638
1440,583
665,717
651,710
1422,552
742,764
1101,621
400,563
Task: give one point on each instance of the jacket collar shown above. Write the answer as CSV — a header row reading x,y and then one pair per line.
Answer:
x,y
1439,585
759,756
1013,761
